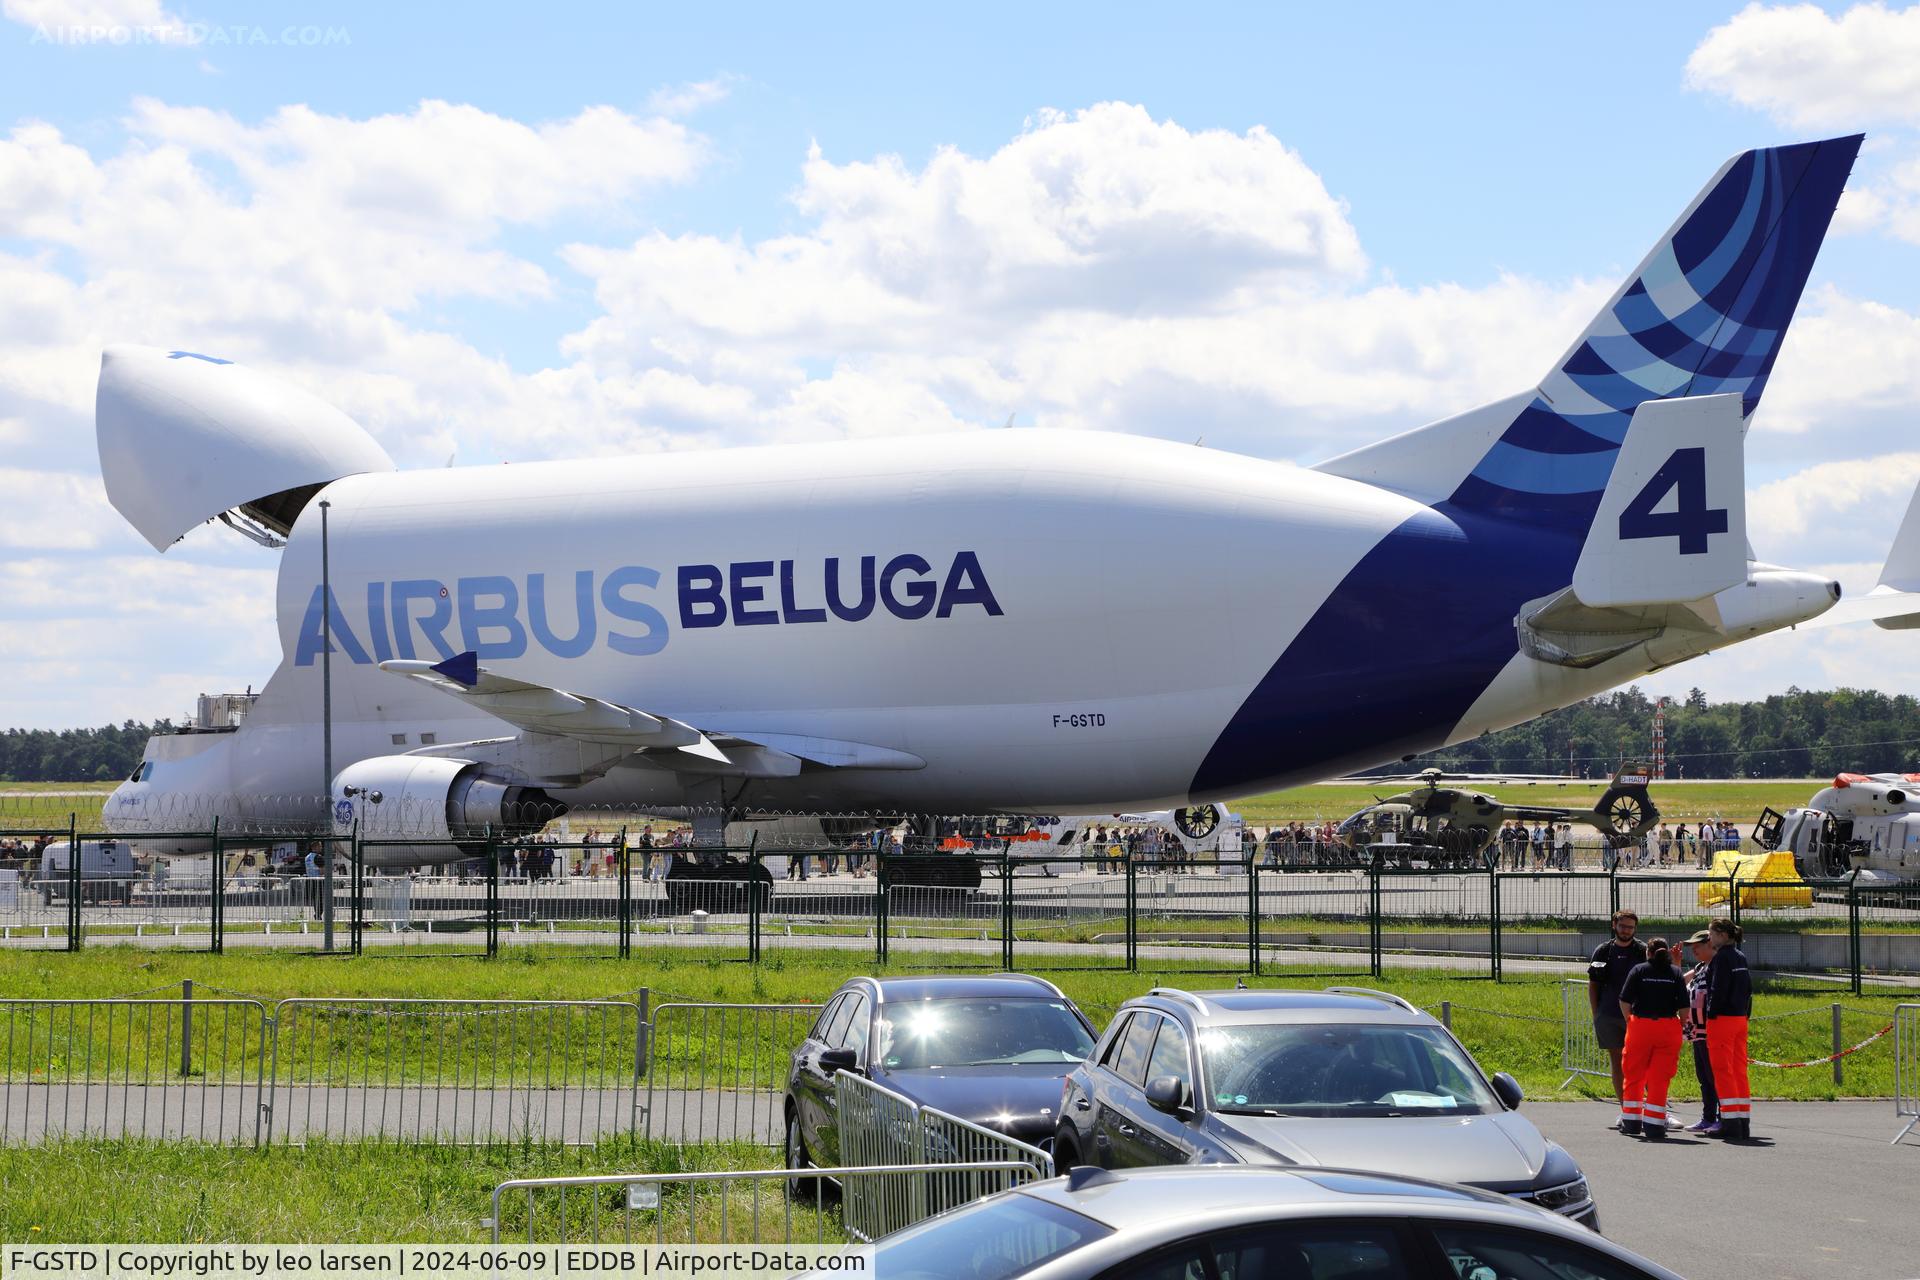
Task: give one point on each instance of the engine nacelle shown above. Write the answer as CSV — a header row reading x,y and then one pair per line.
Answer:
x,y
434,809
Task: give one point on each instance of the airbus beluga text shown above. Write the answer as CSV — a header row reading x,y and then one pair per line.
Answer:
x,y
956,625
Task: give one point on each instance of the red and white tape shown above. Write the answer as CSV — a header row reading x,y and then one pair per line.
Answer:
x,y
1832,1057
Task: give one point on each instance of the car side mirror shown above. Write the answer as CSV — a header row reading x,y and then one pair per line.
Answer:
x,y
1508,1090
1166,1093
834,1061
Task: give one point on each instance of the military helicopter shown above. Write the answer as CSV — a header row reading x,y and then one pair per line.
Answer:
x,y
1448,826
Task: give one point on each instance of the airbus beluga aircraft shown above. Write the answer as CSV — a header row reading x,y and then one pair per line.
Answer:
x,y
955,624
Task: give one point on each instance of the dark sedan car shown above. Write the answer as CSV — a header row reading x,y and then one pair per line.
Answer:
x,y
992,1050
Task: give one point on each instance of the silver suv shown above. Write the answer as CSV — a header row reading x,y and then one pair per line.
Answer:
x,y
1343,1077
1252,1224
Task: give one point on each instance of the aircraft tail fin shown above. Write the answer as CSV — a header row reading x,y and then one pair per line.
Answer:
x,y
1703,314
1894,603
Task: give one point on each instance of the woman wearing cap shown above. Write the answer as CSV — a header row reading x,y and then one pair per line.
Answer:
x,y
1729,1003
1695,1030
1651,1002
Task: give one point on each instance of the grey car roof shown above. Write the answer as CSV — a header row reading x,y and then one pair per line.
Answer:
x,y
978,987
1169,1202
1252,1004
1142,1197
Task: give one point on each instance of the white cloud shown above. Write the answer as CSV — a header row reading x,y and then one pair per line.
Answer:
x,y
1846,358
684,99
306,241
1811,69
50,509
1106,210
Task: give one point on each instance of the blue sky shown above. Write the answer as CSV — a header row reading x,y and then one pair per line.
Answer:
x,y
1466,182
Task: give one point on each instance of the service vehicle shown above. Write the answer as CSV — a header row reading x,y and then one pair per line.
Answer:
x,y
1345,1076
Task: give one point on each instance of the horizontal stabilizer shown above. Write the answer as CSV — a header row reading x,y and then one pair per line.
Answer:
x,y
1672,522
1895,602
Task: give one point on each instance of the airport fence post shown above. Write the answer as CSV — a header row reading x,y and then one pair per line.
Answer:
x,y
1493,920
1133,913
216,896
357,883
1853,929
1253,917
1733,897
1375,944
73,882
1006,908
186,1028
1613,886
881,892
625,866
493,895
755,906
1446,1014
1839,1070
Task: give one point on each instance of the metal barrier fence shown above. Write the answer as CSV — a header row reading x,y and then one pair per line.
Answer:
x,y
1906,1066
469,1072
1580,1051
1016,905
718,1072
234,1070
761,1206
161,1069
877,1125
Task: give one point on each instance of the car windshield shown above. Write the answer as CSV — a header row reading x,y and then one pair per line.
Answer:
x,y
1345,1069
1006,1236
979,1033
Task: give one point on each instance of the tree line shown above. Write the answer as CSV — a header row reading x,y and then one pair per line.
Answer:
x,y
1796,734
74,755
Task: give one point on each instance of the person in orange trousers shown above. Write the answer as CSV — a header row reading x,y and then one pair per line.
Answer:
x,y
1729,1004
1654,994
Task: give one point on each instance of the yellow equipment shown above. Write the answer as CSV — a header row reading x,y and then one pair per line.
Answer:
x,y
1761,880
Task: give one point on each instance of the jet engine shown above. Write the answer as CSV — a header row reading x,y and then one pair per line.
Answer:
x,y
433,809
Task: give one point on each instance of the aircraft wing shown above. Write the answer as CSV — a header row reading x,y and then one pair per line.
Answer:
x,y
611,732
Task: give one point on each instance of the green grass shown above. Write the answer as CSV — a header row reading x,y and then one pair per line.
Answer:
x,y
373,1193
49,813
1737,801
1511,1026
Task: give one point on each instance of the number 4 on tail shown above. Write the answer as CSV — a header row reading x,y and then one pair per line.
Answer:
x,y
1691,520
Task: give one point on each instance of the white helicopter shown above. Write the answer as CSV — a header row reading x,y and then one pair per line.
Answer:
x,y
1864,822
